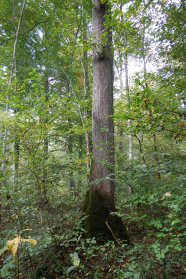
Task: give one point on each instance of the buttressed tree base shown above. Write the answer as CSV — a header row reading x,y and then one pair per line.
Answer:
x,y
100,222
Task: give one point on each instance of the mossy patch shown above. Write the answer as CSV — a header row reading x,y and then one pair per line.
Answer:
x,y
96,208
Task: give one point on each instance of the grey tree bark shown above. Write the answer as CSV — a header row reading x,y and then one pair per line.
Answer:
x,y
99,201
102,122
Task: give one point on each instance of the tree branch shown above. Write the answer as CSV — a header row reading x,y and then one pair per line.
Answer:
x,y
107,224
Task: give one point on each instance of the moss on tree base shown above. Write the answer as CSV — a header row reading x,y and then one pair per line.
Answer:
x,y
99,222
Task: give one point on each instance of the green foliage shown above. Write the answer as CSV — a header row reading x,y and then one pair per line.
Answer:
x,y
75,261
43,147
5,273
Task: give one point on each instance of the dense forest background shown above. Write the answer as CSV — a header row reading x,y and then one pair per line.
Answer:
x,y
46,147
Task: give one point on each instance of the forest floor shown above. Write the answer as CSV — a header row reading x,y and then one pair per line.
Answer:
x,y
62,252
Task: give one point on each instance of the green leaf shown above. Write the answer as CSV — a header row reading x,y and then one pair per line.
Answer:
x,y
4,270
174,222
128,274
70,269
75,259
137,275
137,81
3,250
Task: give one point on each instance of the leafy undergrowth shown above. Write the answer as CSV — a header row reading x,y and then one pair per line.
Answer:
x,y
71,256
155,223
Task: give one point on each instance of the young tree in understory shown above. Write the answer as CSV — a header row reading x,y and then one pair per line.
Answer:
x,y
99,201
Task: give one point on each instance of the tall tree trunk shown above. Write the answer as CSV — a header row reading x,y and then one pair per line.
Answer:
x,y
13,69
16,138
99,201
13,66
88,135
80,157
71,174
121,132
45,173
102,122
127,90
130,147
16,158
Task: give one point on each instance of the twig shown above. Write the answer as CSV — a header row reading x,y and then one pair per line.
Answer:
x,y
107,224
79,237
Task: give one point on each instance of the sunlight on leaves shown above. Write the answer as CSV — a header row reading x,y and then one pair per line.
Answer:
x,y
75,259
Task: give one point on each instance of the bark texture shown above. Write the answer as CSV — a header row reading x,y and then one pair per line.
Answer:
x,y
102,122
95,207
99,201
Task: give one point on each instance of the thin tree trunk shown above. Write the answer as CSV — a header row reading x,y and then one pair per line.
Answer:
x,y
9,84
121,132
88,135
3,165
16,139
71,174
130,147
80,157
127,92
121,76
16,158
45,173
